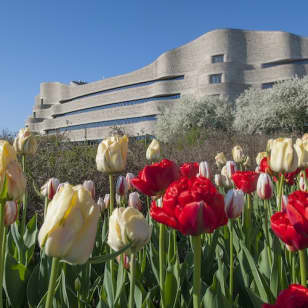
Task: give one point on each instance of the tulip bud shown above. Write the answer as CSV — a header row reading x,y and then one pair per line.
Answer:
x,y
129,177
260,156
218,180
238,154
301,148
226,181
284,202
25,142
90,187
100,202
70,225
125,259
153,151
282,156
10,212
128,225
230,168
234,203
121,186
112,154
265,186
302,184
107,201
134,200
204,170
49,189
118,199
220,159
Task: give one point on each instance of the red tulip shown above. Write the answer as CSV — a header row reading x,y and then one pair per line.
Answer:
x,y
192,206
246,180
154,179
296,296
290,177
189,169
297,210
283,229
264,166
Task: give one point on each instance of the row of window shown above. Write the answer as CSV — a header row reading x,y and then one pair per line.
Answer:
x,y
103,124
121,104
287,61
136,85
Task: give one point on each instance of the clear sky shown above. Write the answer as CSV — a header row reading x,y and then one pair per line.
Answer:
x,y
90,40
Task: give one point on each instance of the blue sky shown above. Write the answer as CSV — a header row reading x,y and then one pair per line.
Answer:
x,y
88,40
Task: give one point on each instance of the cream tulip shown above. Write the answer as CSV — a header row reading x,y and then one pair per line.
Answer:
x,y
220,159
238,154
128,225
282,156
25,142
112,154
204,170
301,148
70,225
234,203
153,151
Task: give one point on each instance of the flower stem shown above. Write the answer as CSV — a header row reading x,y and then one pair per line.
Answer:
x,y
52,282
293,260
303,266
132,281
231,262
196,242
2,251
248,210
24,198
162,261
280,192
269,254
111,208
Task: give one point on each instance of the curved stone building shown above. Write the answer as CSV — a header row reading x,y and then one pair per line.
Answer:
x,y
220,62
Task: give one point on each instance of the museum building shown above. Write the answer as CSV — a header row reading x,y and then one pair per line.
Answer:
x,y
221,62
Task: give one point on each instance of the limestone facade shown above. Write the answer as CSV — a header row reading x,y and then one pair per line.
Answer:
x,y
220,62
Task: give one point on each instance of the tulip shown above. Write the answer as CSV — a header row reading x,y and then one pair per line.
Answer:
x,y
238,154
90,187
154,179
265,186
230,168
302,184
11,170
285,230
189,169
107,201
264,166
282,156
70,225
246,180
111,154
121,186
49,189
294,296
153,151
128,225
125,259
118,199
269,145
191,205
234,203
226,181
220,159
301,148
218,180
260,156
129,177
100,202
60,186
25,143
10,212
204,170
134,200
297,210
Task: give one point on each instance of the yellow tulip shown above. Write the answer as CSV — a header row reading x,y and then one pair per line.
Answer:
x,y
112,154
70,225
25,142
153,151
238,154
301,148
220,159
282,156
11,170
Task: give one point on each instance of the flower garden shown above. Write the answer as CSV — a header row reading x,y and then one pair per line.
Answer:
x,y
170,236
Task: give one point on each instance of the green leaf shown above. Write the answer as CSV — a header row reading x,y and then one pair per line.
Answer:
x,y
170,287
15,282
31,232
101,259
4,190
256,300
120,281
108,286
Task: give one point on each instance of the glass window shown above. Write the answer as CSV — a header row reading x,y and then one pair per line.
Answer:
x,y
267,85
215,78
217,58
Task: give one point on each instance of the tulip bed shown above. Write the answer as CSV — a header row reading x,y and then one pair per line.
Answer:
x,y
172,236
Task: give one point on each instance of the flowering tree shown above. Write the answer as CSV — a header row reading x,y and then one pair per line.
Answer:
x,y
207,112
282,108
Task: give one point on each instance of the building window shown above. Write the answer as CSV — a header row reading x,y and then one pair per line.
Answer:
x,y
217,58
215,78
267,85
